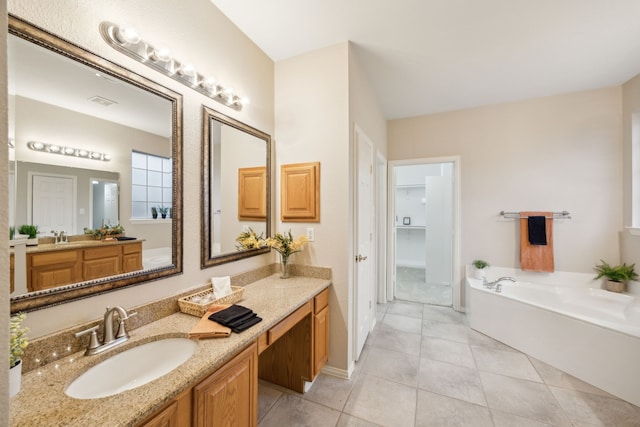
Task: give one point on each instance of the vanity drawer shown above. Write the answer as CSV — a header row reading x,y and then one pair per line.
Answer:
x,y
54,257
107,252
320,301
131,248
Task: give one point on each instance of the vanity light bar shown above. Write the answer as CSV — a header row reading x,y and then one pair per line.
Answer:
x,y
126,40
68,151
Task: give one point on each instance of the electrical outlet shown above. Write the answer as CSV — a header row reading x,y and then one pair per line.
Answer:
x,y
310,234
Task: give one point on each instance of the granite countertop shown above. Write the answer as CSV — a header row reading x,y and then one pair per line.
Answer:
x,y
77,244
42,400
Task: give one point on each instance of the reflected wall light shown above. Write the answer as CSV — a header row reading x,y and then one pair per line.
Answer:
x,y
68,151
126,40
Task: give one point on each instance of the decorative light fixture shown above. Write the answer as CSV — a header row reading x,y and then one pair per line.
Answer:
x,y
126,40
68,151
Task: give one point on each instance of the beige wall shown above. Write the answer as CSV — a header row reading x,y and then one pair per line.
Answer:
x,y
196,31
556,153
312,125
320,97
4,224
630,244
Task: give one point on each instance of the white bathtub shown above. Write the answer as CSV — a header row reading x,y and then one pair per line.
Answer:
x,y
563,320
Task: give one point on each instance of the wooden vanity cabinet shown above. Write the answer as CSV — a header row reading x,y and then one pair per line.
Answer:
x,y
176,414
229,396
320,331
47,270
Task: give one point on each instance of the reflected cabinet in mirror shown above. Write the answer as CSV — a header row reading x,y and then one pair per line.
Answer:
x,y
95,150
236,187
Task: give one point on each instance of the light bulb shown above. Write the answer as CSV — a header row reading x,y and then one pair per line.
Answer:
x,y
187,70
161,54
127,35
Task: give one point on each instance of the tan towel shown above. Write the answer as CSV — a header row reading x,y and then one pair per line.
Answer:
x,y
206,328
536,257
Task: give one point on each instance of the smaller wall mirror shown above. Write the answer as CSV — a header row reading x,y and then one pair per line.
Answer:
x,y
236,187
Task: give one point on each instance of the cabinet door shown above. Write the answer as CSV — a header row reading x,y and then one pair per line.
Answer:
x,y
98,268
166,418
51,269
320,340
229,397
131,257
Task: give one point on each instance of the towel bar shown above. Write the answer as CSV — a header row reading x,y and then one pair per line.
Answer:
x,y
556,215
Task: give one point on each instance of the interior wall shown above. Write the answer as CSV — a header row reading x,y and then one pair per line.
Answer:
x,y
549,154
630,243
311,106
4,224
200,33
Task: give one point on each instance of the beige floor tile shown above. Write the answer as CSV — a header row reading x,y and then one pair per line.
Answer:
x,y
267,397
555,377
524,398
447,351
393,365
402,323
451,380
450,331
481,340
392,339
442,314
293,411
406,308
435,410
382,401
502,419
330,391
347,420
586,409
505,363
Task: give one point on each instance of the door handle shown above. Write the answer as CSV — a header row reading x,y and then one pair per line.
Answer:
x,y
360,258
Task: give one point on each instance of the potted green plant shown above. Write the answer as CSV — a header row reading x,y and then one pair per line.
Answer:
x,y
31,231
617,276
17,344
480,266
163,211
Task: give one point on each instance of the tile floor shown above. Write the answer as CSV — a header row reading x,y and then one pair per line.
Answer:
x,y
423,366
411,285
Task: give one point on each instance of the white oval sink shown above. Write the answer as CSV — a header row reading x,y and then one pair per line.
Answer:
x,y
132,368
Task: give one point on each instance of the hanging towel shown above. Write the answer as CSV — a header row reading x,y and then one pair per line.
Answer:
x,y
537,230
536,257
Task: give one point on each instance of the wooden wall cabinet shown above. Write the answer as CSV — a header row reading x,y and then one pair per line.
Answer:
x,y
252,194
300,192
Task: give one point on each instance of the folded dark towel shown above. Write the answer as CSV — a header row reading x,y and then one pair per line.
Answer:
x,y
246,325
236,317
126,238
537,230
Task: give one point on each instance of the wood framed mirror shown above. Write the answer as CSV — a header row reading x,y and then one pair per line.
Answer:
x,y
57,96
236,187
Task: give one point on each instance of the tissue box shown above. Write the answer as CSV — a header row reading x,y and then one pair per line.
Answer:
x,y
190,305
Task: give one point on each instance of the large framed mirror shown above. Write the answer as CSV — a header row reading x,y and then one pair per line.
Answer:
x,y
93,146
236,187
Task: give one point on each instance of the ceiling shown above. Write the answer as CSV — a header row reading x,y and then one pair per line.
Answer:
x,y
430,56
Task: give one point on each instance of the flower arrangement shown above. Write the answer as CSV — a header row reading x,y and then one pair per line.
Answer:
x,y
18,340
104,231
249,240
285,244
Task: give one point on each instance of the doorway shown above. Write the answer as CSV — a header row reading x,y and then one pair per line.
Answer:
x,y
104,203
423,223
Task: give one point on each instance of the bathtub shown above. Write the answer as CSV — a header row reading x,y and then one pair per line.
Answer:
x,y
567,321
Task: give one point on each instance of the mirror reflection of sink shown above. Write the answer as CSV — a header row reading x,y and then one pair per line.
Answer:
x,y
132,368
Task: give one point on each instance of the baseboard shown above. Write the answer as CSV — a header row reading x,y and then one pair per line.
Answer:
x,y
335,372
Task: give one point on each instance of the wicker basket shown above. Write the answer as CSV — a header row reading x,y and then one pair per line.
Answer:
x,y
197,309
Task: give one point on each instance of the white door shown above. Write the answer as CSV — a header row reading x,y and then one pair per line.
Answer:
x,y
53,202
364,306
111,203
438,230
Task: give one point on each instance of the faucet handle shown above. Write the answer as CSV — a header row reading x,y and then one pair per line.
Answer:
x,y
93,340
122,331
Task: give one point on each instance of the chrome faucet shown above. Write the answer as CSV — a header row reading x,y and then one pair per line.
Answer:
x,y
63,237
490,285
108,339
60,237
